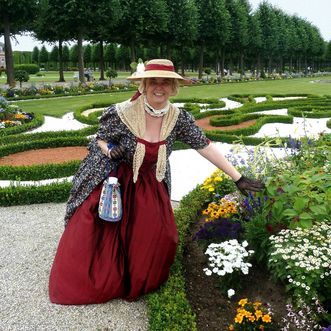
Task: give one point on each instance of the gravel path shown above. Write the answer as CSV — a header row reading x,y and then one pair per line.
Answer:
x,y
28,241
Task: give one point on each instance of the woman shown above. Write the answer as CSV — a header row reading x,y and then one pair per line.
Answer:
x,y
97,261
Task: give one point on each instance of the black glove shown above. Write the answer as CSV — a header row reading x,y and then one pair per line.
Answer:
x,y
116,152
245,184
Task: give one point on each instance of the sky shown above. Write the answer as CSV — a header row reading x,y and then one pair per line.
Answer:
x,y
316,12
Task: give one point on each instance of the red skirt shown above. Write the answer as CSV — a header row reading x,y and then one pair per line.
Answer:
x,y
97,261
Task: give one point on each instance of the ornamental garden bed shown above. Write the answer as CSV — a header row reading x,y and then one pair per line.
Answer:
x,y
298,190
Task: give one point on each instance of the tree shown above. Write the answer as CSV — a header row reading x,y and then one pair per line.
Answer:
x,y
73,55
209,34
52,11
65,56
15,17
43,57
54,55
182,27
110,55
87,54
35,55
108,14
144,21
21,76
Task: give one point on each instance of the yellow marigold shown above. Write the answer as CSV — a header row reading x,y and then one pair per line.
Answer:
x,y
258,314
218,179
243,302
211,189
238,318
266,318
231,327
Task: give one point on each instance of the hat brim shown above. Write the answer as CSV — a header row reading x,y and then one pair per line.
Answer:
x,y
156,74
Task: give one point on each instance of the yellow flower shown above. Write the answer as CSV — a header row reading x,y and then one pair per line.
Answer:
x,y
258,314
231,327
251,318
218,179
239,318
266,318
243,302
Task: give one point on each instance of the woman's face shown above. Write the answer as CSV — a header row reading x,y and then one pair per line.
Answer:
x,y
158,91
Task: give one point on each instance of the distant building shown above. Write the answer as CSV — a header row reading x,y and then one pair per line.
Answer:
x,y
2,56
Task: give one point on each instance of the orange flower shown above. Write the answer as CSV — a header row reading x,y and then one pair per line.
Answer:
x,y
266,318
231,327
258,314
243,302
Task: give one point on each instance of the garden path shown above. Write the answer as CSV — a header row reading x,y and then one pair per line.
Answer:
x,y
29,238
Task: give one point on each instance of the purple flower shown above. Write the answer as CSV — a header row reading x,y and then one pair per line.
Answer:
x,y
222,229
327,329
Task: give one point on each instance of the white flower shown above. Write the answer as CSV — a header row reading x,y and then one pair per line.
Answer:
x,y
231,292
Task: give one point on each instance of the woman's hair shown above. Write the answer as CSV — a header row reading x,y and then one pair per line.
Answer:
x,y
174,85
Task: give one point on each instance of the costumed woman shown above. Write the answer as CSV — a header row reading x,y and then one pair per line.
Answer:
x,y
97,261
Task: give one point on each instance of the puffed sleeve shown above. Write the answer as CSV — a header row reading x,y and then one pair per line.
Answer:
x,y
110,128
189,133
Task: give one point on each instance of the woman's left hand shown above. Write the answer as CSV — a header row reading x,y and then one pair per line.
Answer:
x,y
117,152
245,184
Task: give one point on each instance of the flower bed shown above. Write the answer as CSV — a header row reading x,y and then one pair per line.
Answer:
x,y
288,227
12,115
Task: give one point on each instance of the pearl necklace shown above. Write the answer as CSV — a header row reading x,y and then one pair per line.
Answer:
x,y
155,112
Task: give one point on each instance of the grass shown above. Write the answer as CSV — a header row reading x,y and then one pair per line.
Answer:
x,y
59,106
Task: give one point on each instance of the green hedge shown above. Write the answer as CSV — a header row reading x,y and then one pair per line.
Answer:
x,y
39,172
311,111
38,120
27,195
93,117
168,308
233,120
45,135
31,69
40,144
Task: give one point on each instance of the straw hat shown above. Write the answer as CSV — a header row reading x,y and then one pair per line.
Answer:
x,y
157,68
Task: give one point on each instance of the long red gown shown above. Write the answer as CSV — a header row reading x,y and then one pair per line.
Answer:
x,y
97,261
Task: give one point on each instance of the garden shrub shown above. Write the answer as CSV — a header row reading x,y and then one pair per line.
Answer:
x,y
38,172
40,144
31,69
27,195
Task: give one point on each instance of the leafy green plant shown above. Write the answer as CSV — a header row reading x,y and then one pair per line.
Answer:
x,y
298,199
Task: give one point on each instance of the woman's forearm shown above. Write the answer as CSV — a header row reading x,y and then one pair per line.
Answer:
x,y
212,154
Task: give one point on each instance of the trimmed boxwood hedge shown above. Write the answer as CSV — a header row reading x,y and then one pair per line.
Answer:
x,y
93,117
311,111
169,308
27,195
45,135
39,172
40,144
38,120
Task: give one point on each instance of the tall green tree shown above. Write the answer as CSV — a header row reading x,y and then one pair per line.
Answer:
x,y
49,27
54,55
143,21
108,14
87,54
268,24
65,56
35,55
43,57
73,55
213,26
15,17
110,55
182,27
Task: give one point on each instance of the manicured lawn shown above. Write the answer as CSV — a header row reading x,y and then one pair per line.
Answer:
x,y
59,106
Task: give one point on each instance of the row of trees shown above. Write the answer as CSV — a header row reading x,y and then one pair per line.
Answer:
x,y
227,31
